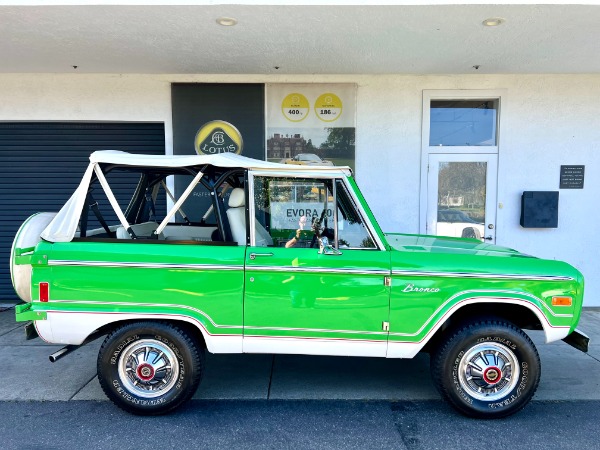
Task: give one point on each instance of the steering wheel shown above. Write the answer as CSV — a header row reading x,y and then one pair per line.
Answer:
x,y
316,229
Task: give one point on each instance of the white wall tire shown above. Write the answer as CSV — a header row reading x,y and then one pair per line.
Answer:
x,y
486,369
150,368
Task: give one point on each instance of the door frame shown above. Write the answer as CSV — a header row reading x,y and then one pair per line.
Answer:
x,y
491,193
300,339
426,149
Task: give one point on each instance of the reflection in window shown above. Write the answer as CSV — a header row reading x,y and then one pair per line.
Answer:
x,y
463,122
300,209
461,199
352,232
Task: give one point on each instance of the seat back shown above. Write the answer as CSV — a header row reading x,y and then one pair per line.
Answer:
x,y
236,214
141,229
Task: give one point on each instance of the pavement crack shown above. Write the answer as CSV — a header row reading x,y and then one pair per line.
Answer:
x,y
271,377
81,388
17,325
406,424
593,357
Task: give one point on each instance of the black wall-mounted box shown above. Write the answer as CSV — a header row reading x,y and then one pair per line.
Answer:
x,y
539,209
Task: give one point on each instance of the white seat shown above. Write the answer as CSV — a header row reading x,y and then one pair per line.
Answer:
x,y
237,221
141,229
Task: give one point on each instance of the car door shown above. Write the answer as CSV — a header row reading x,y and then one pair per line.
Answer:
x,y
299,299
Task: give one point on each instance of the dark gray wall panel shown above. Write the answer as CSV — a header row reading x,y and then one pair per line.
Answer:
x,y
41,164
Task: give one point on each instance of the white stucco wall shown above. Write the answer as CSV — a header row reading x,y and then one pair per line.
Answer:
x,y
547,120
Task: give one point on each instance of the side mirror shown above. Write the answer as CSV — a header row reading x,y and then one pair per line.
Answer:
x,y
325,248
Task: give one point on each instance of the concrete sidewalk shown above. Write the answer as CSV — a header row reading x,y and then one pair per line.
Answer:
x,y
567,374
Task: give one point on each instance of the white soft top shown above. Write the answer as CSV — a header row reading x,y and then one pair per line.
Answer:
x,y
219,160
64,225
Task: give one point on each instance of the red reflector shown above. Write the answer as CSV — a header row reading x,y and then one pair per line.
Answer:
x,y
44,291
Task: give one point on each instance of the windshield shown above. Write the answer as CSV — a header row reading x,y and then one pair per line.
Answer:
x,y
308,157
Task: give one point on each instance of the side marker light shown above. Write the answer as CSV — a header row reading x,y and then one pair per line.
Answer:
x,y
562,301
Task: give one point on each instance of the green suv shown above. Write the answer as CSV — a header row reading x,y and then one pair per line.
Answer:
x,y
258,257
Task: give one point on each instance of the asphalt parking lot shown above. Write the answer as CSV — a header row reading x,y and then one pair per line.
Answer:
x,y
567,374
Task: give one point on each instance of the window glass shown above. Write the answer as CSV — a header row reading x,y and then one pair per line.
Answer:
x,y
352,232
292,209
294,212
463,122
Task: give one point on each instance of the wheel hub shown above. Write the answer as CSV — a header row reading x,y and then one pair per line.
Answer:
x,y
488,371
145,372
148,368
492,375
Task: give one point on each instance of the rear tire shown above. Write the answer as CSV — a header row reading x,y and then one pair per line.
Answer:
x,y
486,369
150,368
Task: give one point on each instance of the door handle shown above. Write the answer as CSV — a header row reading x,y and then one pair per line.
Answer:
x,y
489,238
254,255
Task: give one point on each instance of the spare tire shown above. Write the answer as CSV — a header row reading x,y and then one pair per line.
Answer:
x,y
28,236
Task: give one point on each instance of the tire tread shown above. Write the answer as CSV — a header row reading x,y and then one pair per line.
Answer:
x,y
196,353
440,355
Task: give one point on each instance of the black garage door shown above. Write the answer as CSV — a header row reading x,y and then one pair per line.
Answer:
x,y
41,164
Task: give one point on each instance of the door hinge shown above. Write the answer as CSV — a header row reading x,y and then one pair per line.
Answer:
x,y
387,281
385,326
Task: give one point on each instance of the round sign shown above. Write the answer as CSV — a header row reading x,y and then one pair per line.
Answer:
x,y
328,107
216,137
295,107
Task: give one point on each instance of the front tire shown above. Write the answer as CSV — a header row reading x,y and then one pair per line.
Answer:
x,y
486,369
150,368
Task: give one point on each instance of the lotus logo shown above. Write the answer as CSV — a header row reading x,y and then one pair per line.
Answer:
x,y
217,137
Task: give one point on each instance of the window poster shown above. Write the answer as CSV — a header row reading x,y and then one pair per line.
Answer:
x,y
311,124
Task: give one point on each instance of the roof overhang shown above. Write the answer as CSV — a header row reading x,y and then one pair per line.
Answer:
x,y
309,37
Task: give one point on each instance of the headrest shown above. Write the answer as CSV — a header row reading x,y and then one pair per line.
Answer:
x,y
237,198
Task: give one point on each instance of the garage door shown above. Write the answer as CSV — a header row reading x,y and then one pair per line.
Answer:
x,y
41,165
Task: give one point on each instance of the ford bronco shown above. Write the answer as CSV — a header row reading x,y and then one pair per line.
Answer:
x,y
259,257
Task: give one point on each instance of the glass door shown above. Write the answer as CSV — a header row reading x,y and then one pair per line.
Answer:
x,y
461,196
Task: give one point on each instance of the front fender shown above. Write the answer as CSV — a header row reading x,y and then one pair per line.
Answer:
x,y
407,345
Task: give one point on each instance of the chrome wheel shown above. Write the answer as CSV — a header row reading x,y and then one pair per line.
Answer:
x,y
148,368
488,371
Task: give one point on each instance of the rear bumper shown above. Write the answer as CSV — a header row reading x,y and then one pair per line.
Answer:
x,y
25,313
579,340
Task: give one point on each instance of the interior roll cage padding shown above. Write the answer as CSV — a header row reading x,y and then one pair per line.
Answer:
x,y
232,178
92,204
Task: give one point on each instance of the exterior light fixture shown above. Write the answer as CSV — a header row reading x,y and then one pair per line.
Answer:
x,y
493,22
227,21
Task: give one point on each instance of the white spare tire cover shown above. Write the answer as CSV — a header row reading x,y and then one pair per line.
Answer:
x,y
27,236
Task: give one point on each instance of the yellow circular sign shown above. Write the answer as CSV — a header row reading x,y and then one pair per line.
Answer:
x,y
295,107
328,107
216,137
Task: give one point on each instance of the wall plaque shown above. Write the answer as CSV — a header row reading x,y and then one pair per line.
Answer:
x,y
571,177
